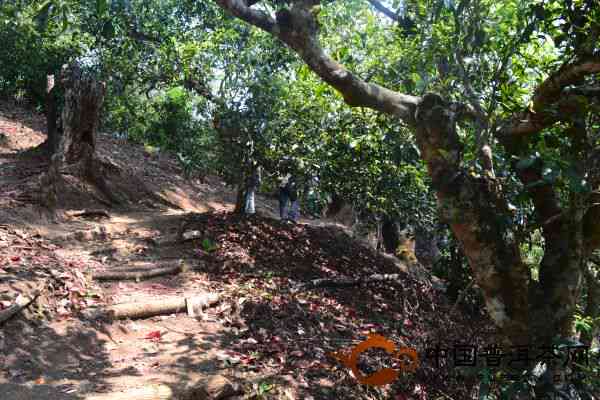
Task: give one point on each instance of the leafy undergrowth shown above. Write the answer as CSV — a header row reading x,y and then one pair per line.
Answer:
x,y
293,334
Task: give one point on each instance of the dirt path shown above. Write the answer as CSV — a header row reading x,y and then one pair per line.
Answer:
x,y
266,336
68,356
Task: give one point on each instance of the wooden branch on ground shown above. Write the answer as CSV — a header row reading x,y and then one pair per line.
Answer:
x,y
21,302
91,213
191,305
216,388
341,283
137,274
150,392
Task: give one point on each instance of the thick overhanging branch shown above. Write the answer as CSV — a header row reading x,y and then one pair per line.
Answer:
x,y
590,92
242,10
384,10
551,102
298,28
570,74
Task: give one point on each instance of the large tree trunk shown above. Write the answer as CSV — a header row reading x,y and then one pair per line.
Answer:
x,y
480,219
390,235
335,205
426,248
81,115
240,199
72,149
592,308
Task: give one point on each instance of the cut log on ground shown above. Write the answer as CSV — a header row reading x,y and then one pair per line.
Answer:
x,y
91,213
150,392
341,283
137,274
21,302
216,388
191,305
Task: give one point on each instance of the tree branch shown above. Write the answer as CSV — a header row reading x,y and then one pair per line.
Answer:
x,y
384,10
241,10
549,98
297,27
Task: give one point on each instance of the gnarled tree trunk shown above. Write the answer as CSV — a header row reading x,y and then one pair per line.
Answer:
x,y
73,147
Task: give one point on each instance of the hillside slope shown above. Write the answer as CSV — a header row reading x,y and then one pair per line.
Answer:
x,y
290,294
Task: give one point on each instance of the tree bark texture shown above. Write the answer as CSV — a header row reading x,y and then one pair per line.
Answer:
x,y
84,96
51,114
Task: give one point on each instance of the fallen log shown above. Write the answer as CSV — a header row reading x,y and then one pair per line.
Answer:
x,y
91,213
216,388
191,305
21,302
136,274
341,283
150,392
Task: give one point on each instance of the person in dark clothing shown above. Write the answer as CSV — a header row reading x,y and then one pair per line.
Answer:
x,y
293,196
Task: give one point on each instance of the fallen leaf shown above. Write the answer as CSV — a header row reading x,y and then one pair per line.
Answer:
x,y
154,335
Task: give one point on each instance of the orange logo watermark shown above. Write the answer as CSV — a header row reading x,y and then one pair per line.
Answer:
x,y
408,358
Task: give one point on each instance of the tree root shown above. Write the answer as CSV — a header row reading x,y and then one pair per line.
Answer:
x,y
192,305
136,275
340,283
21,303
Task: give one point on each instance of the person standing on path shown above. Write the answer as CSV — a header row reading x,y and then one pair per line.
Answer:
x,y
284,196
292,188
254,181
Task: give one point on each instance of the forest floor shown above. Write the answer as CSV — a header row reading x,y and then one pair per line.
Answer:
x,y
268,336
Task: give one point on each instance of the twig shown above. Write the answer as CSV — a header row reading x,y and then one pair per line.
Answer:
x,y
136,275
21,302
319,283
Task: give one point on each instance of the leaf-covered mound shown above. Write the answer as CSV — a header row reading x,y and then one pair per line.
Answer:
x,y
294,332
